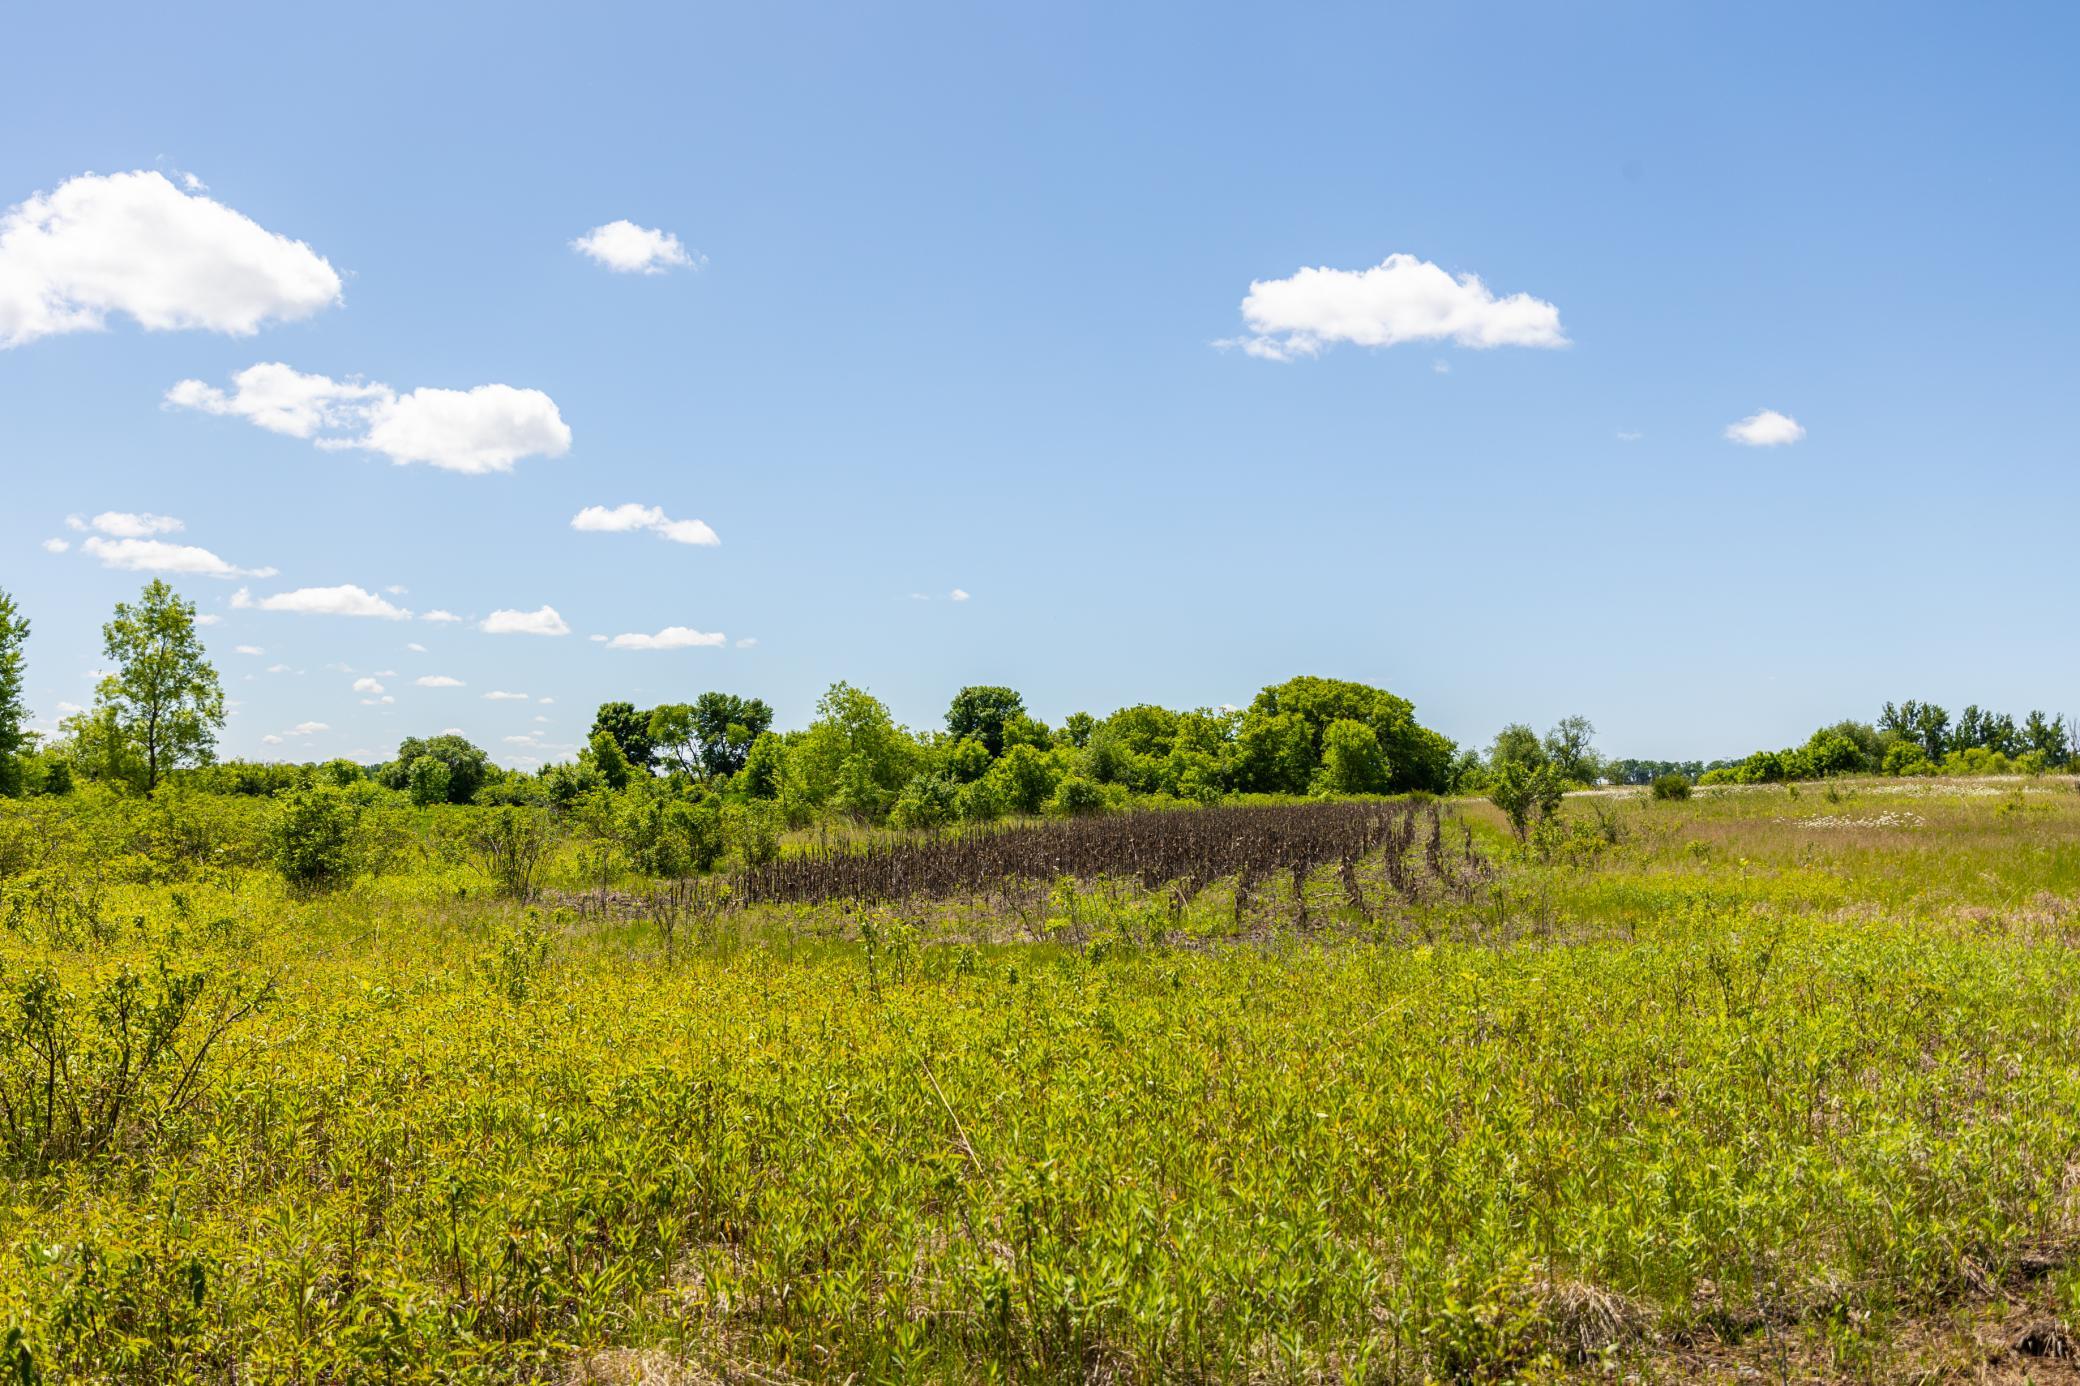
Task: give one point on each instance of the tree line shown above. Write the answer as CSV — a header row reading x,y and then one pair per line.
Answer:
x,y
159,709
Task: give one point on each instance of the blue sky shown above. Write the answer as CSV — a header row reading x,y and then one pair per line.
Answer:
x,y
957,278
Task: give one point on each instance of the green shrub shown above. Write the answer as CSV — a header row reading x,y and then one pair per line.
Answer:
x,y
427,778
312,837
1671,786
753,829
927,801
1076,796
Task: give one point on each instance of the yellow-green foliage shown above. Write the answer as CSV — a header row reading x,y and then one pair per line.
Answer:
x,y
1748,1060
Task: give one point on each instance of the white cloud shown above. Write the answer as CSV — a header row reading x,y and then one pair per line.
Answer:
x,y
624,519
66,709
545,700
270,740
343,600
1401,299
121,524
542,622
250,650
279,669
158,556
499,695
670,638
485,429
1630,435
1441,367
368,685
439,615
55,545
538,717
957,595
378,702
133,243
396,589
308,729
1768,429
438,681
626,248
209,618
415,647
747,642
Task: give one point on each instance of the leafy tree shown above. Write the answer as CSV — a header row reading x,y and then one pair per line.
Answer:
x,y
1568,747
163,706
764,766
1023,778
1516,744
607,758
1417,758
630,729
713,734
853,757
981,711
2049,737
467,765
928,801
1076,796
1828,752
1077,728
1925,724
1274,753
1671,786
428,779
1027,731
1351,759
14,631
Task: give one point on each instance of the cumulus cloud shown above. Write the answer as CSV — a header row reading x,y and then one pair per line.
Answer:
x,y
475,431
1768,429
1630,435
1401,299
209,618
249,650
437,615
626,248
957,595
499,695
747,642
56,545
670,638
308,729
437,681
343,600
415,647
159,556
623,519
134,244
368,685
542,622
122,524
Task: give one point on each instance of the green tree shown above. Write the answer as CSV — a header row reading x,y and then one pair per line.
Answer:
x,y
630,729
765,767
1569,750
1523,791
981,711
14,631
1417,757
1516,744
1274,753
608,760
713,734
468,766
163,705
428,779
1351,759
853,757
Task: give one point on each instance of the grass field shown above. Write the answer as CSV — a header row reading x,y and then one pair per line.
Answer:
x,y
1765,1082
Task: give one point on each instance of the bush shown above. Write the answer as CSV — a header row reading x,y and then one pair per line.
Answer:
x,y
928,801
1351,759
753,829
1522,790
1671,786
312,837
1076,796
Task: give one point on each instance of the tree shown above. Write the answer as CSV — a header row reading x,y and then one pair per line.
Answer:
x,y
1273,753
1568,748
2048,736
1516,744
1417,757
163,705
765,766
1351,759
630,730
608,760
713,734
981,711
14,630
467,765
427,778
853,756
1925,724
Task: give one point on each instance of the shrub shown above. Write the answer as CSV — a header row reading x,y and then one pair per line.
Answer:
x,y
927,801
1351,759
1076,796
1521,790
1671,786
753,829
311,839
